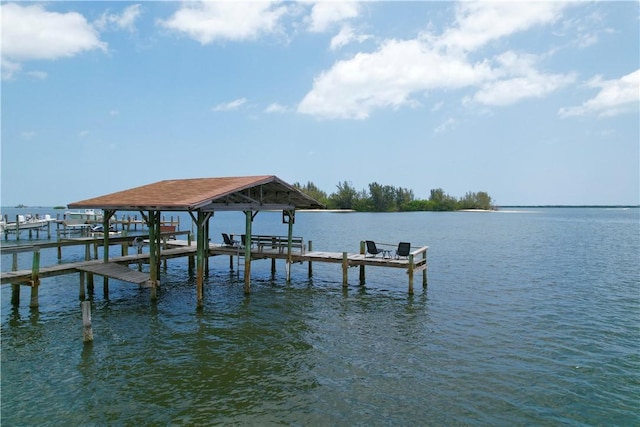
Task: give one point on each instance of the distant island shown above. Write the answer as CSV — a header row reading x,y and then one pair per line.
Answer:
x,y
386,198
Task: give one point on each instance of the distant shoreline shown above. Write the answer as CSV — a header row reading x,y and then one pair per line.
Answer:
x,y
459,210
570,206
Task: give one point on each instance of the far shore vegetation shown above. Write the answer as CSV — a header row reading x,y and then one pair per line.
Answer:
x,y
386,198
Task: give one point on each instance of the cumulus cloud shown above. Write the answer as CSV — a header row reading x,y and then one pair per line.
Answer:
x,y
40,75
123,21
518,79
386,78
478,23
209,21
445,126
615,97
325,14
30,32
346,36
399,69
276,108
33,33
230,106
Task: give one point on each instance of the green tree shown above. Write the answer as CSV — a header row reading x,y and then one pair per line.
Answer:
x,y
479,200
382,197
440,201
345,197
311,190
403,198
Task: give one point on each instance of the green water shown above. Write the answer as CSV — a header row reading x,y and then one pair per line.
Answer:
x,y
531,317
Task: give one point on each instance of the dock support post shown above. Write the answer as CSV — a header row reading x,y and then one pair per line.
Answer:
x,y
105,248
200,260
15,294
410,272
424,272
35,277
247,252
206,248
310,266
15,287
202,239
90,283
290,217
191,261
154,251
87,330
345,267
82,280
362,273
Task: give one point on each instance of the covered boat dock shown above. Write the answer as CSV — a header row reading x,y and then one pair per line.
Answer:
x,y
201,197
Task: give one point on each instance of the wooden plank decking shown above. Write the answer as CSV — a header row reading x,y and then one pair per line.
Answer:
x,y
116,271
117,266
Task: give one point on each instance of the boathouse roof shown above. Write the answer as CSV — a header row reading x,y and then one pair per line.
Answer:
x,y
241,193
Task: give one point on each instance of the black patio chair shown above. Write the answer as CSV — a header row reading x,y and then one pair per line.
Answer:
x,y
403,250
372,249
228,241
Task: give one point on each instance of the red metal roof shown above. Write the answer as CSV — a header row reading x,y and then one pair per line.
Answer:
x,y
263,192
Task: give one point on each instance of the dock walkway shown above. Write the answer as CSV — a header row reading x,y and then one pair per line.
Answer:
x,y
118,268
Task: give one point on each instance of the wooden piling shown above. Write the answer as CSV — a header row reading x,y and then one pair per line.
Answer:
x,y
87,330
345,267
310,263
35,278
424,271
247,252
82,295
410,272
15,294
362,273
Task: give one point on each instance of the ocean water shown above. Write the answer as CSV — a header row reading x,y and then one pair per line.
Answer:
x,y
530,317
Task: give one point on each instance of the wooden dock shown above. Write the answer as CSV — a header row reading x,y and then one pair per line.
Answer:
x,y
118,268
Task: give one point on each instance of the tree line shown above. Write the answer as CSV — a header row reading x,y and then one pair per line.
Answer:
x,y
386,198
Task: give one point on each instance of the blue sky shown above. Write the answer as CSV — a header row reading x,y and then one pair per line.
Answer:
x,y
534,103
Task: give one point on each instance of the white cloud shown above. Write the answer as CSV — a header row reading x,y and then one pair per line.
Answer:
x,y
209,21
230,106
32,33
399,69
518,79
9,68
478,23
40,75
114,112
326,13
345,36
445,126
276,108
615,97
438,106
124,21
386,78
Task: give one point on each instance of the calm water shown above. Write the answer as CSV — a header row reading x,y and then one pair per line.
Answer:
x,y
531,317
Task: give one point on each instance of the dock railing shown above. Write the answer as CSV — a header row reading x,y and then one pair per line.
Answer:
x,y
416,261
